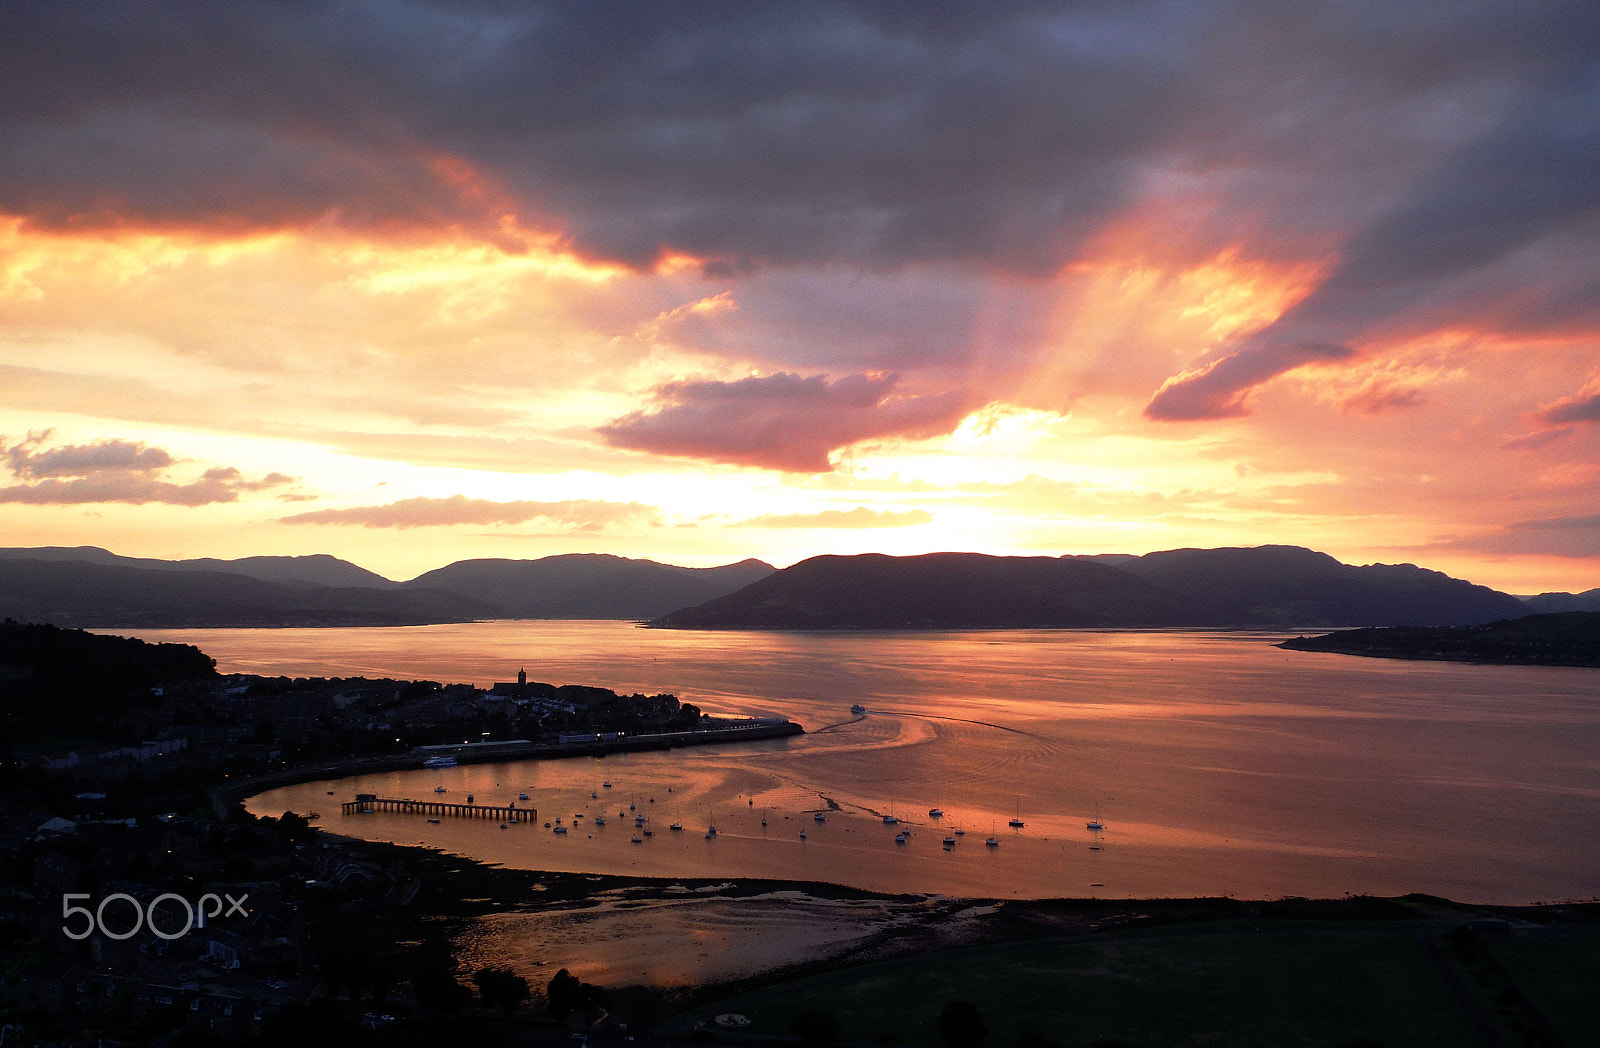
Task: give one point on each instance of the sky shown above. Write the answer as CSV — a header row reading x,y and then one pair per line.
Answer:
x,y
413,282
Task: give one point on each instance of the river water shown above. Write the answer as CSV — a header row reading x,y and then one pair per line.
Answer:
x,y
1218,763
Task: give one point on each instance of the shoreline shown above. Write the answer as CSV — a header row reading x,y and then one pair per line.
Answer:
x,y
230,794
485,905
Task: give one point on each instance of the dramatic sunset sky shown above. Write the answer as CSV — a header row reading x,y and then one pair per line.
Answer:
x,y
411,282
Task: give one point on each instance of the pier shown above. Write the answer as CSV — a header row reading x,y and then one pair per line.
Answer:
x,y
370,802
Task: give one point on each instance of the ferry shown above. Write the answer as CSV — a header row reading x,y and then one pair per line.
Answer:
x,y
439,762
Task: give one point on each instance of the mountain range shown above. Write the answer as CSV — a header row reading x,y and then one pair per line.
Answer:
x,y
1265,586
86,586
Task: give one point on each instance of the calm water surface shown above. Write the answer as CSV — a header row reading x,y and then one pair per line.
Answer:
x,y
1218,763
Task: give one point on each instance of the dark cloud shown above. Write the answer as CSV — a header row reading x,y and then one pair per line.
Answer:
x,y
114,471
760,131
1448,253
1585,407
859,517
1557,536
582,514
782,421
1219,389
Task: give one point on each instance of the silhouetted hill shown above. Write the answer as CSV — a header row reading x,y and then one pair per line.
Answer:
x,y
1269,586
1294,586
1588,600
86,594
589,585
1567,639
57,682
935,591
316,570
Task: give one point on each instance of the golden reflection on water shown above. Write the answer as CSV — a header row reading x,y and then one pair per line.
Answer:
x,y
1219,763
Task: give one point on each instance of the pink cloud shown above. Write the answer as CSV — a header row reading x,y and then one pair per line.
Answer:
x,y
783,421
115,471
1219,389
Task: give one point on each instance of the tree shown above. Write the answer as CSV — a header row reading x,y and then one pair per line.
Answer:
x,y
500,988
563,993
962,1024
817,1024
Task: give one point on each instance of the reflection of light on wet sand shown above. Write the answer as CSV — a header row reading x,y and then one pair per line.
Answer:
x,y
676,942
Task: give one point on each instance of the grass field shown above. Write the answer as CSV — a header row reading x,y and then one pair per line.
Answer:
x,y
1237,983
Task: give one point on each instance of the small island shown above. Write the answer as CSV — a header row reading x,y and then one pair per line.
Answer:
x,y
1566,639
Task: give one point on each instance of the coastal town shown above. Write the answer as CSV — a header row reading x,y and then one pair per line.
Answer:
x,y
138,899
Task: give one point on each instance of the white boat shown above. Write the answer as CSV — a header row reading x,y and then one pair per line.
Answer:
x,y
638,820
513,819
820,817
606,784
1016,822
599,820
676,827
561,830
440,789
993,842
638,840
890,820
935,813
802,834
522,796
433,820
1095,823
949,842
858,709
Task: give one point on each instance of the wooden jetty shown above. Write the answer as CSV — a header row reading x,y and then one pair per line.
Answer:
x,y
370,802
